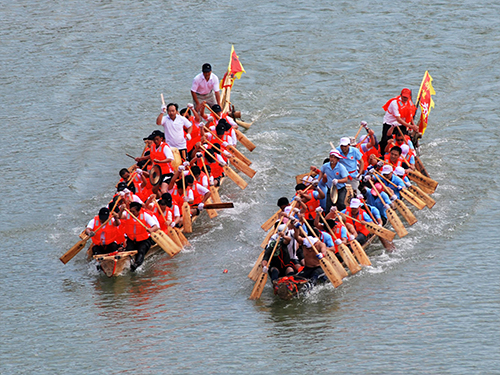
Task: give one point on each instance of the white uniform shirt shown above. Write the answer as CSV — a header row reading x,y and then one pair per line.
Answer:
x,y
392,112
174,130
202,86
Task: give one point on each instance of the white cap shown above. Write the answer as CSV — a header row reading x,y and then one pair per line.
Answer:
x,y
281,228
307,179
355,203
310,240
387,169
336,153
405,149
399,171
345,141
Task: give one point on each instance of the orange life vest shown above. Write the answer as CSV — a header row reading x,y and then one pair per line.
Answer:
x,y
399,163
311,204
169,216
106,235
195,134
134,230
358,226
406,110
158,153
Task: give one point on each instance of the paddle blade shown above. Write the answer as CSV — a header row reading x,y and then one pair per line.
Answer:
x,y
332,258
414,200
360,253
349,259
422,195
270,222
163,245
233,150
242,167
75,249
235,178
186,218
259,286
396,223
405,212
244,140
330,272
257,268
217,206
381,232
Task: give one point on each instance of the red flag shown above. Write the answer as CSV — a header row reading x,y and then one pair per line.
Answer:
x,y
426,103
235,68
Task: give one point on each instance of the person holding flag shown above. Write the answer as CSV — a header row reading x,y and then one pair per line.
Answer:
x,y
398,111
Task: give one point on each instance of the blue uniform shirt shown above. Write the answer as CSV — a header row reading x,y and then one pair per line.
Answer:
x,y
351,160
338,173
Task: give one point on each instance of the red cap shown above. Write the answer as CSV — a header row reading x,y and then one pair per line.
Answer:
x,y
406,93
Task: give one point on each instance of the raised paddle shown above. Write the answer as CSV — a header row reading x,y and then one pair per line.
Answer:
x,y
161,239
400,205
186,210
326,266
257,268
393,217
228,171
241,137
373,228
344,251
357,248
76,248
332,258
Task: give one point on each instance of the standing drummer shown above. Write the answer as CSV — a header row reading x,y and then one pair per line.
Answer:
x,y
205,87
334,173
350,159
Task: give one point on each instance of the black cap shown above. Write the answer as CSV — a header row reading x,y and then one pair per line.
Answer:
x,y
220,129
216,108
121,186
222,122
206,68
103,214
283,201
148,138
156,133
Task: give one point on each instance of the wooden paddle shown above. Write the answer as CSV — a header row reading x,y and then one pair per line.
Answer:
x,y
356,247
393,217
422,195
359,131
326,266
257,268
425,183
230,148
239,135
344,251
406,194
373,228
240,165
214,192
332,258
218,206
161,239
229,172
120,255
262,279
269,222
400,205
171,232
187,223
76,248
211,213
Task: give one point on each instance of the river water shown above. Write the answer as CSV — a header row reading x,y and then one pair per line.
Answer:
x,y
80,86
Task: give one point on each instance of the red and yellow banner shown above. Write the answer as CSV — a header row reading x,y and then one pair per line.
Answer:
x,y
425,101
234,70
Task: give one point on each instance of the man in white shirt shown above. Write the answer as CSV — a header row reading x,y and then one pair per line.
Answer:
x,y
174,125
205,87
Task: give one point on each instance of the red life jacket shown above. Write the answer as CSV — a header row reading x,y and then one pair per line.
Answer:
x,y
169,216
198,198
358,226
106,235
311,204
399,163
158,153
367,154
406,110
134,230
195,134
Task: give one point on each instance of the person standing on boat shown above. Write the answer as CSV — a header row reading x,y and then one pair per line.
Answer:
x,y
138,237
334,173
174,125
398,111
351,156
105,239
205,87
